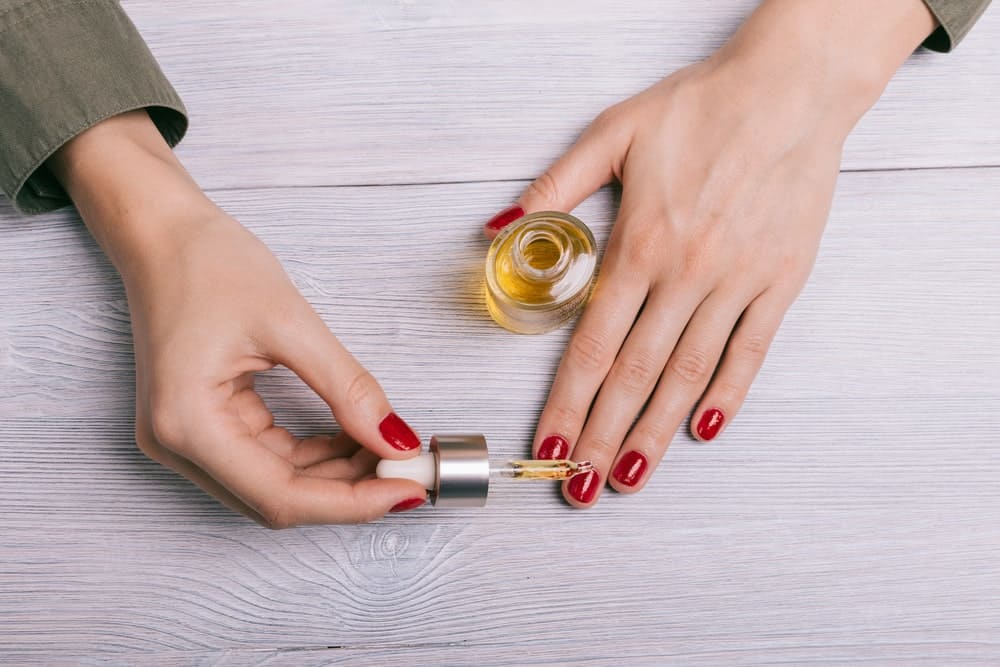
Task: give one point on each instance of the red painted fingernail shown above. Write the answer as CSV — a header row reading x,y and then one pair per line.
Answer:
x,y
710,423
584,487
408,504
397,433
630,468
505,217
553,447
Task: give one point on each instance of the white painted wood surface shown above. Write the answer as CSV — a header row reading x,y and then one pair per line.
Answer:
x,y
303,92
849,514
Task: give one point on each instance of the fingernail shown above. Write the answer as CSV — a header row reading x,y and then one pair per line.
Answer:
x,y
553,447
408,504
505,217
630,468
397,433
710,423
584,487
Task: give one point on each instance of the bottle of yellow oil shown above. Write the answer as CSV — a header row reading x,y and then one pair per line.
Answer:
x,y
539,272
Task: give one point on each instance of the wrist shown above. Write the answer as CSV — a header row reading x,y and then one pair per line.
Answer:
x,y
832,57
133,194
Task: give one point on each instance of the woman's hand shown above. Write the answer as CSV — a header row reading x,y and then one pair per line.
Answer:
x,y
211,306
727,170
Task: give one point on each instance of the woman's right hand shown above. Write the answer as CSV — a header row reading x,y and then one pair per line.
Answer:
x,y
211,306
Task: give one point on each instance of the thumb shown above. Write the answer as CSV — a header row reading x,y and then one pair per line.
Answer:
x,y
360,406
593,161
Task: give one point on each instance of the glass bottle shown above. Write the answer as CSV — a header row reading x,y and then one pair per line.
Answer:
x,y
539,272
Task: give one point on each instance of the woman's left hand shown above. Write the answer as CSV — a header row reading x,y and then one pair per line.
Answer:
x,y
727,170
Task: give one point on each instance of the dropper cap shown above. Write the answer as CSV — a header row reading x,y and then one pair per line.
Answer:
x,y
456,470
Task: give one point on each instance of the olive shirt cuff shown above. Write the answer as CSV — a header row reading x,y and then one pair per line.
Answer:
x,y
66,65
956,18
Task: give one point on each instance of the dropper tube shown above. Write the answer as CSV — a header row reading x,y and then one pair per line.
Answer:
x,y
541,469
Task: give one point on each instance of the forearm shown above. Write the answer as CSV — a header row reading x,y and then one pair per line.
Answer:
x,y
132,192
837,54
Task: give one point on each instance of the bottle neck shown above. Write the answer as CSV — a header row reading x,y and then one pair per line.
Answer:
x,y
541,254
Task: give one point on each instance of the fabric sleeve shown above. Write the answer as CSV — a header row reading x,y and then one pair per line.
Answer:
x,y
66,65
956,18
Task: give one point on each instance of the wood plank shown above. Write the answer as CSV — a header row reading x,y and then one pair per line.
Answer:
x,y
847,514
305,93
917,653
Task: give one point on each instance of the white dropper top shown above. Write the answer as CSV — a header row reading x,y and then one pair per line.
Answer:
x,y
421,469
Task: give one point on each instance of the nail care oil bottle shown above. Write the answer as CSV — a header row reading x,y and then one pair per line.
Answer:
x,y
539,272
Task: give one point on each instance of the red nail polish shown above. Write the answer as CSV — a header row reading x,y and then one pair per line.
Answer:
x,y
584,487
505,217
408,504
553,447
397,433
630,468
710,423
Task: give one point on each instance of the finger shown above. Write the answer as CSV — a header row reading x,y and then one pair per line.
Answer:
x,y
685,377
743,357
628,385
353,394
593,161
357,467
284,495
250,406
605,323
301,452
305,452
316,449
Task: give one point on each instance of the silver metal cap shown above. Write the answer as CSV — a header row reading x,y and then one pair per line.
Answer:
x,y
463,463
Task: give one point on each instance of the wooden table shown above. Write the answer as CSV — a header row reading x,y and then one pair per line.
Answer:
x,y
850,513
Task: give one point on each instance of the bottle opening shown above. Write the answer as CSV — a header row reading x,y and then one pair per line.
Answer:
x,y
541,253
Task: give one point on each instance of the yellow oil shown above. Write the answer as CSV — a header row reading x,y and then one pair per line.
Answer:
x,y
539,271
548,469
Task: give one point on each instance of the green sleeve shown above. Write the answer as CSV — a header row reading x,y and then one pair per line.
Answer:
x,y
65,66
956,18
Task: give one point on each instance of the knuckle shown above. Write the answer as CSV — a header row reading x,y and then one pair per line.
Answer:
x,y
362,388
276,516
730,391
601,448
275,510
356,510
609,117
690,367
167,422
565,415
693,260
276,522
754,345
147,444
651,434
636,372
546,189
365,516
587,351
794,266
643,255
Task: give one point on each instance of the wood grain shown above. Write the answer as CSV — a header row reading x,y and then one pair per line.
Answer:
x,y
304,93
848,514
